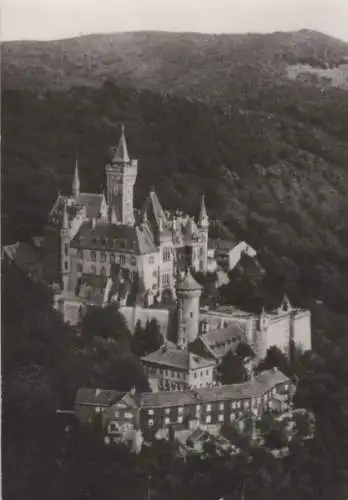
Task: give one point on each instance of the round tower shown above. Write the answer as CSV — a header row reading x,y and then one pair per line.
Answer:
x,y
188,293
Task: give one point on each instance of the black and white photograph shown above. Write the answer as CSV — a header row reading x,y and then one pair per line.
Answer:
x,y
174,249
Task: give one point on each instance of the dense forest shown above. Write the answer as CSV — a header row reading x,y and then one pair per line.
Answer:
x,y
271,156
278,180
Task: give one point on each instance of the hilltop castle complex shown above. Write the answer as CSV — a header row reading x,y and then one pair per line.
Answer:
x,y
98,249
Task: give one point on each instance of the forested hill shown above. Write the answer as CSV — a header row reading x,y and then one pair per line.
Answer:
x,y
216,68
275,174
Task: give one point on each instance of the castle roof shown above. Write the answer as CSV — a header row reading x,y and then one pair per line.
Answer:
x,y
256,387
97,397
219,342
113,237
120,154
177,358
188,283
154,212
92,202
220,244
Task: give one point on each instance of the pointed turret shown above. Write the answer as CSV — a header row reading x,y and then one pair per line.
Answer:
x,y
203,219
121,154
286,304
76,181
121,173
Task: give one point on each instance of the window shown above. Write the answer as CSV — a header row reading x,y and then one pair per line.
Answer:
x,y
180,409
274,390
151,422
208,419
97,409
66,265
166,420
180,420
246,404
103,271
166,254
79,268
128,415
221,406
154,273
198,408
265,397
133,260
221,417
93,255
80,254
150,412
66,249
207,372
112,258
233,405
232,417
165,279
93,270
151,259
122,260
102,257
195,374
208,408
154,287
167,411
117,414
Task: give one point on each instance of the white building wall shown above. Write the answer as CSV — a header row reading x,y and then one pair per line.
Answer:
x,y
134,314
202,377
302,334
278,333
148,270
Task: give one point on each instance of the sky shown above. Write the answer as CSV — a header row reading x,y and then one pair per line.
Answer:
x,y
55,19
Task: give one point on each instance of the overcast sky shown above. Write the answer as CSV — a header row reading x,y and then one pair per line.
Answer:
x,y
53,19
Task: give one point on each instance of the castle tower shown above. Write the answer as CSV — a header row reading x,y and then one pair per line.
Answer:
x,y
203,226
76,182
121,174
188,293
65,250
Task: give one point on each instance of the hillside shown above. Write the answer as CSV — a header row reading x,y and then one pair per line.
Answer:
x,y
211,67
275,176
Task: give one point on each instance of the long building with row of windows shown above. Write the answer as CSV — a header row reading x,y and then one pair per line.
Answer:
x,y
123,414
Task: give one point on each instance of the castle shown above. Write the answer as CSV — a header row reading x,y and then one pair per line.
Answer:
x,y
101,250
90,235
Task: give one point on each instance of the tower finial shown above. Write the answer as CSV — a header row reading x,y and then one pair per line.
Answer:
x,y
76,181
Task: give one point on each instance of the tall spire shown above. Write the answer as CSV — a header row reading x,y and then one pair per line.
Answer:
x,y
76,181
203,220
121,154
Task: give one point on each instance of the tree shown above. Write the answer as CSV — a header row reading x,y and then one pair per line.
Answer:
x,y
105,322
275,358
148,339
231,369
